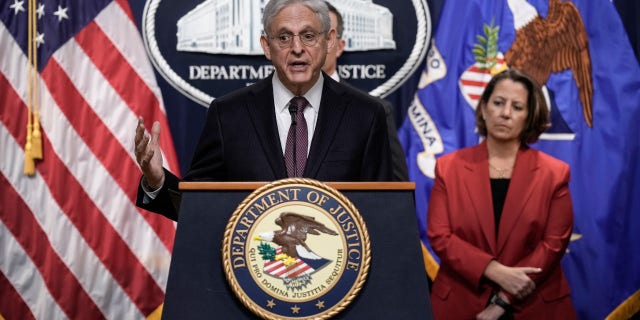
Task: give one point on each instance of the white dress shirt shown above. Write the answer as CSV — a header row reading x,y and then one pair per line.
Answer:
x,y
281,98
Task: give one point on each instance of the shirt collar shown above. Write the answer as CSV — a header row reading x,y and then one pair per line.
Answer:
x,y
282,95
335,76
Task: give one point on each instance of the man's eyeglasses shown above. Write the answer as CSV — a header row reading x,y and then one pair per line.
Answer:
x,y
309,39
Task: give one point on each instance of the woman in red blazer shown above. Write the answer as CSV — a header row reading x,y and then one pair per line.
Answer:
x,y
500,214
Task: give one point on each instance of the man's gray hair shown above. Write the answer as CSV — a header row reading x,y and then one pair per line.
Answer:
x,y
274,7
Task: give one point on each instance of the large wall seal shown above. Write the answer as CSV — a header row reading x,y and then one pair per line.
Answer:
x,y
296,248
206,48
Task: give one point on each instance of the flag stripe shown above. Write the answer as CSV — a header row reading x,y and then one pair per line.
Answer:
x,y
99,138
68,243
11,302
94,92
120,211
120,28
60,282
473,82
27,280
81,199
78,255
89,127
124,80
124,5
299,269
96,230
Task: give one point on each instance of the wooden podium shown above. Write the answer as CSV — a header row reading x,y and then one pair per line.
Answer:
x,y
397,285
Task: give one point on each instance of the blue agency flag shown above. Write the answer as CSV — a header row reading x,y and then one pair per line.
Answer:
x,y
578,50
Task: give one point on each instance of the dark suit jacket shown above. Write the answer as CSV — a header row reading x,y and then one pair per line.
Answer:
x,y
240,141
398,160
534,231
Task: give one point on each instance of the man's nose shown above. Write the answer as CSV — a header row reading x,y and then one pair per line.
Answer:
x,y
296,44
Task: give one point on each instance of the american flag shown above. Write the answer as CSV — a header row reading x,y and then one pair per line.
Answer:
x,y
279,269
298,267
72,242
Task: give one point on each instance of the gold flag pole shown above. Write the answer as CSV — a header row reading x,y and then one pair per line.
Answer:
x,y
29,163
36,142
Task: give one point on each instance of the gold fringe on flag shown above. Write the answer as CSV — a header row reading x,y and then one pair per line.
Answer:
x,y
36,143
33,144
29,164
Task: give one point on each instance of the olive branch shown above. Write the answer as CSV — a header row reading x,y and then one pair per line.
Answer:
x,y
267,252
486,51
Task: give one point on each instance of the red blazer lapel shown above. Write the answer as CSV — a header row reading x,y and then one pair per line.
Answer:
x,y
478,187
519,193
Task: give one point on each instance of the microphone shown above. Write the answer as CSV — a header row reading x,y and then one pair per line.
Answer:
x,y
293,109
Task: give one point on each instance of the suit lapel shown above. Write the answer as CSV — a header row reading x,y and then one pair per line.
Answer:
x,y
262,113
518,194
478,187
332,108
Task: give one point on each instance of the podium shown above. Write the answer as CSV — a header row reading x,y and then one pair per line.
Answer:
x,y
396,287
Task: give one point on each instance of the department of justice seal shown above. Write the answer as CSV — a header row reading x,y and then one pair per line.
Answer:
x,y
296,248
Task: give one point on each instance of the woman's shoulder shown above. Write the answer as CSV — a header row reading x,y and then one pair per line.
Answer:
x,y
471,154
546,159
549,163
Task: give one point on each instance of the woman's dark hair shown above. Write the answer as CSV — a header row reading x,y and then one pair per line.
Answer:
x,y
538,112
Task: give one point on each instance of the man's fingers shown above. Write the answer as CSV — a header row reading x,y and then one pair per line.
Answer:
x,y
155,133
139,131
141,145
146,158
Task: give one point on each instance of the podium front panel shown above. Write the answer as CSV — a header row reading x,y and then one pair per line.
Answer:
x,y
396,288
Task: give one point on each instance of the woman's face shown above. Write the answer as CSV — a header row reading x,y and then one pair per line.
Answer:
x,y
506,112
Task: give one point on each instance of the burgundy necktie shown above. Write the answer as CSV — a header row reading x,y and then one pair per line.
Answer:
x,y
295,153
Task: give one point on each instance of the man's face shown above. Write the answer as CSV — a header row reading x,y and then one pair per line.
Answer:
x,y
297,65
335,51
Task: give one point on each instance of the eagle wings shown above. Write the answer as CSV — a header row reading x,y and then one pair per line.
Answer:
x,y
555,44
295,227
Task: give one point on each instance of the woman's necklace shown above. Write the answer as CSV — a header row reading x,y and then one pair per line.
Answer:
x,y
501,172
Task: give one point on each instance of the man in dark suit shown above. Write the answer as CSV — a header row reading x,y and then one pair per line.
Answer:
x,y
246,131
398,162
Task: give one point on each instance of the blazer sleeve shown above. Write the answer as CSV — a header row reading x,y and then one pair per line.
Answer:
x,y
464,258
557,233
167,200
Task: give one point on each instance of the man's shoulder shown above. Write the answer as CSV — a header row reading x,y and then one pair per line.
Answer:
x,y
349,92
262,87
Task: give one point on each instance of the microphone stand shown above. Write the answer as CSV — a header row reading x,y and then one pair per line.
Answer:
x,y
293,110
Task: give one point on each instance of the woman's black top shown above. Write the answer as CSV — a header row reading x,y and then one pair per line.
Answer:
x,y
499,189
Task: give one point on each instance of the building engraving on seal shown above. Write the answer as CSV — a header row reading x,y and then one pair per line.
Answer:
x,y
233,26
295,249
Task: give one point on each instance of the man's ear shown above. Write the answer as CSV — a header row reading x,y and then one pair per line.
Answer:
x,y
340,43
264,42
331,39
